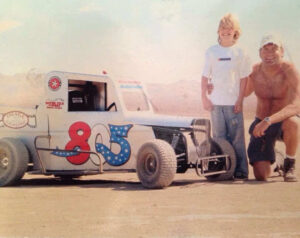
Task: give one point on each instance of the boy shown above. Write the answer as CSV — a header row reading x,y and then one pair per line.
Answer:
x,y
228,67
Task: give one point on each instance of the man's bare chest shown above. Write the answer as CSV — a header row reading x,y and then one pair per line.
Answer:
x,y
270,87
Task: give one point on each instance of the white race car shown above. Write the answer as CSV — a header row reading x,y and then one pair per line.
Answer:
x,y
89,124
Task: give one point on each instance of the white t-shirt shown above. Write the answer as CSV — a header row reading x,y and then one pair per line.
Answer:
x,y
226,66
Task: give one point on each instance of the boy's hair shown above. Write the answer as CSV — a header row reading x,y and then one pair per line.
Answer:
x,y
232,21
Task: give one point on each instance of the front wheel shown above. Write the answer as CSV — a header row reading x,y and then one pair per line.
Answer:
x,y
156,164
222,147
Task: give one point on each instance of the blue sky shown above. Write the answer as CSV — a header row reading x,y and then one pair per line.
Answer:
x,y
148,40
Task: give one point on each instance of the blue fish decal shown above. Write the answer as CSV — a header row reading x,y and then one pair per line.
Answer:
x,y
63,153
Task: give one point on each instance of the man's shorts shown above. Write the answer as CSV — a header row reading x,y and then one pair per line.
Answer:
x,y
262,148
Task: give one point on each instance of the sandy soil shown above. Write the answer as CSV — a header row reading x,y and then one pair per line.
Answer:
x,y
116,205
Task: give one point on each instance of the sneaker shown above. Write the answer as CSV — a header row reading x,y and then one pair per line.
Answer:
x,y
240,177
278,169
289,170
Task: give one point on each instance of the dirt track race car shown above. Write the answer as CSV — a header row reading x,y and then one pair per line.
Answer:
x,y
89,124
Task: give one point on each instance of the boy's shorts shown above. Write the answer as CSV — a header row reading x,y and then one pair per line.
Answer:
x,y
262,148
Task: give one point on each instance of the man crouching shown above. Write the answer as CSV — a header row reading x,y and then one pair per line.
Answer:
x,y
277,87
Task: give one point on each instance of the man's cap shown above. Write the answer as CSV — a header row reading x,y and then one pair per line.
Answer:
x,y
270,39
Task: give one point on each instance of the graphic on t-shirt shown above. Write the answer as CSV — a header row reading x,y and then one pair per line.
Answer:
x,y
224,59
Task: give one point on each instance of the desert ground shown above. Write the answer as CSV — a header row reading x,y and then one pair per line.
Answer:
x,y
116,205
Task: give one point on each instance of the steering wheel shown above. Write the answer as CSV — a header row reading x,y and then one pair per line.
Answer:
x,y
111,106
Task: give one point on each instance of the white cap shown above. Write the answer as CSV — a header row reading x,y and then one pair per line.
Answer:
x,y
270,39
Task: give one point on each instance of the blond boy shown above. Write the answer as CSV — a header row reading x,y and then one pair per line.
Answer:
x,y
228,66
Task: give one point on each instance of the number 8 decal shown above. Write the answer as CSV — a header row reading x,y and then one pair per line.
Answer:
x,y
79,133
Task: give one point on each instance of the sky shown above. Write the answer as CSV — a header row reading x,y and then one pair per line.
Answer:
x,y
157,41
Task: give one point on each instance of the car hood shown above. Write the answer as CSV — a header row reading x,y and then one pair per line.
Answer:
x,y
160,120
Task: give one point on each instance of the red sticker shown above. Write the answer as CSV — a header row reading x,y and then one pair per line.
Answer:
x,y
54,83
55,103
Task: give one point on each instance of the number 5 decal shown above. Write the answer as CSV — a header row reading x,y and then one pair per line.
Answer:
x,y
117,136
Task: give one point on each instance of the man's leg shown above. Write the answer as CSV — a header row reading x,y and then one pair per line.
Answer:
x,y
290,139
261,150
262,170
290,135
235,125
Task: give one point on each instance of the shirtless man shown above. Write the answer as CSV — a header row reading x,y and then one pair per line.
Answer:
x,y
277,87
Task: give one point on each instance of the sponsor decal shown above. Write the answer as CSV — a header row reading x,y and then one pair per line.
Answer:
x,y
54,103
54,83
17,120
130,84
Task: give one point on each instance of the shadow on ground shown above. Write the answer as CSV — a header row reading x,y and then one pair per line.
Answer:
x,y
135,185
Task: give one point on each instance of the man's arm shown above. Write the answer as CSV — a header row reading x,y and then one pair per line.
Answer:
x,y
205,101
293,108
249,86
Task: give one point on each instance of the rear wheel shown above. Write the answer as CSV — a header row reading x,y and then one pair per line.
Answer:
x,y
156,164
13,161
222,147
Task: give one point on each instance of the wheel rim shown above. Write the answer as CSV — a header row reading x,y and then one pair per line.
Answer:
x,y
4,161
150,164
219,164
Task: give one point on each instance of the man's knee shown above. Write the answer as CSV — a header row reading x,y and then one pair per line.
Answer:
x,y
290,126
262,170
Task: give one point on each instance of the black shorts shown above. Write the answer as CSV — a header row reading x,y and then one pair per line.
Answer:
x,y
262,148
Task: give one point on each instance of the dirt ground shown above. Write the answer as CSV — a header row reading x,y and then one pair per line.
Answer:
x,y
116,205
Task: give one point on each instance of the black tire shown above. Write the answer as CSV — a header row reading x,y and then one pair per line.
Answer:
x,y
13,161
219,147
156,164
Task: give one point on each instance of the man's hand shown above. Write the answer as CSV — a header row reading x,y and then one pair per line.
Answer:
x,y
238,107
207,104
260,128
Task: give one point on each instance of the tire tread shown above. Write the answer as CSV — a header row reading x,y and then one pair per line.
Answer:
x,y
167,168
